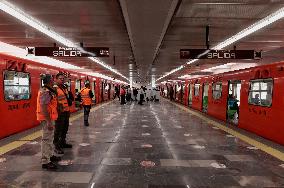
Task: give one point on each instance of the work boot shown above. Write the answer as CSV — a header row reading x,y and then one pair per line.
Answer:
x,y
55,158
65,145
49,166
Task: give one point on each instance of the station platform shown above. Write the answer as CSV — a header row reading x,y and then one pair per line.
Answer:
x,y
157,145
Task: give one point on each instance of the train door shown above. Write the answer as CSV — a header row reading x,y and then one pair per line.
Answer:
x,y
102,90
109,89
78,85
233,103
205,97
93,84
181,93
175,93
189,94
94,98
77,90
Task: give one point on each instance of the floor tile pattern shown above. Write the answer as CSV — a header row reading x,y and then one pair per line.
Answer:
x,y
186,151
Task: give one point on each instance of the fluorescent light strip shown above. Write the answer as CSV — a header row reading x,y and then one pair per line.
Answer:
x,y
251,29
21,53
171,72
247,31
220,3
19,14
104,77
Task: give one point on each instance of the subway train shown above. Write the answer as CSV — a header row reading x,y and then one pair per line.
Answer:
x,y
251,99
20,83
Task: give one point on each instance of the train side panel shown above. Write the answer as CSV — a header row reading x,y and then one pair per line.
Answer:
x,y
264,121
19,115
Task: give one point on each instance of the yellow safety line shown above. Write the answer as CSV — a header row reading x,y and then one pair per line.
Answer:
x,y
32,136
272,151
15,144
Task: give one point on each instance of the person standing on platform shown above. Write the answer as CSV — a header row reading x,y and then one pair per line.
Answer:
x,y
70,99
122,95
46,113
86,95
135,93
116,92
141,96
62,123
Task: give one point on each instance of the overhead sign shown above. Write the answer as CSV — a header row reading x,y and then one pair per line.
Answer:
x,y
69,51
219,54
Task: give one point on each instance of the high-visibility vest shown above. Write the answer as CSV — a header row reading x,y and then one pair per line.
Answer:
x,y
51,106
62,99
85,95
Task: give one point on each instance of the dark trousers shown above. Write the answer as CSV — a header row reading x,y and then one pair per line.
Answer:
x,y
122,99
116,95
87,109
141,99
61,129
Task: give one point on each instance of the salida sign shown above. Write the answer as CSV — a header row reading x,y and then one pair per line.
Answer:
x,y
69,51
219,54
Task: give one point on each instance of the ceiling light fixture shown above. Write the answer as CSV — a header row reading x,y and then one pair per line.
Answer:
x,y
245,32
19,14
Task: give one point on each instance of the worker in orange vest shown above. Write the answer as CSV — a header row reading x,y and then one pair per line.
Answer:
x,y
62,123
86,96
46,113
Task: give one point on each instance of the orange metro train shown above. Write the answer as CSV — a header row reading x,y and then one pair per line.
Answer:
x,y
251,98
20,83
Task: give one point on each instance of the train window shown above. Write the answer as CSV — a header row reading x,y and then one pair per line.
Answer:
x,y
16,86
196,89
260,92
78,85
217,90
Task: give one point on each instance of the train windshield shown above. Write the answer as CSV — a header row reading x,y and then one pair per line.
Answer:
x,y
16,85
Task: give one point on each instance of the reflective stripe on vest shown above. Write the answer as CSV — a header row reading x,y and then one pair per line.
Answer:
x,y
51,107
85,95
61,97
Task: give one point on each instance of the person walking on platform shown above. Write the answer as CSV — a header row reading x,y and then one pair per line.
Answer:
x,y
86,95
46,113
62,123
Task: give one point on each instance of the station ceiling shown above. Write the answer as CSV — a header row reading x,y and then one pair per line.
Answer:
x,y
145,36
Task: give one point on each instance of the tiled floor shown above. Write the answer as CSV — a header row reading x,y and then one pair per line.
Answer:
x,y
156,145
